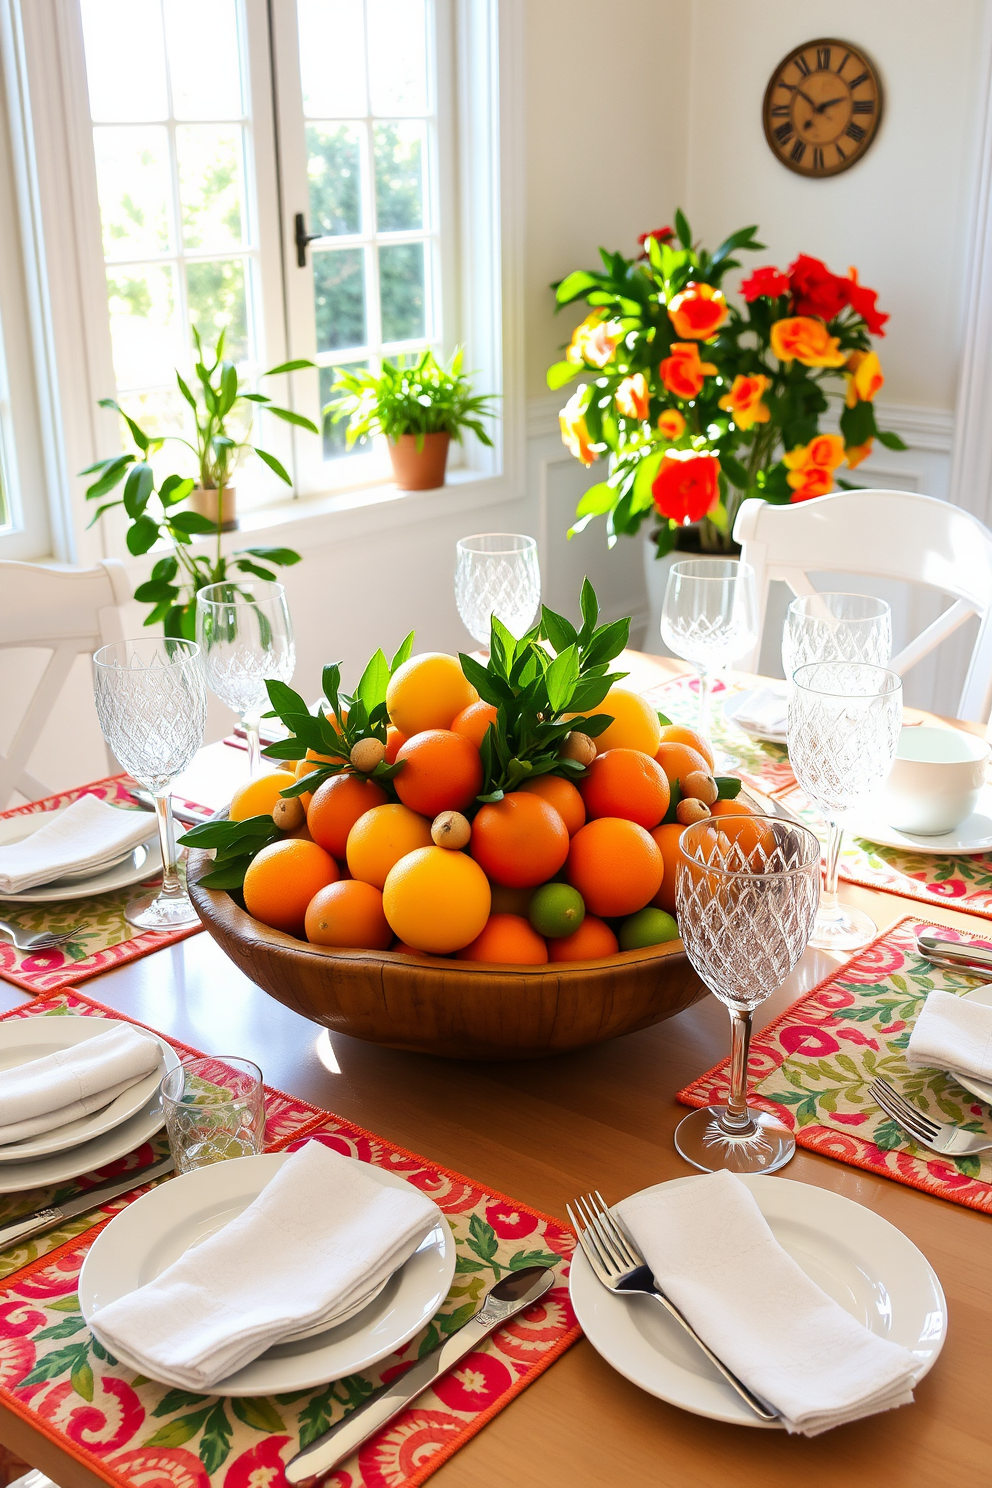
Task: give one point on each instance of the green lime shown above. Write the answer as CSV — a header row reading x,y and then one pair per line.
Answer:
x,y
647,927
556,909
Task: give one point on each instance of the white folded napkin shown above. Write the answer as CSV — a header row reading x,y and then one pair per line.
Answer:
x,y
766,710
714,1256
51,1091
320,1235
953,1034
88,834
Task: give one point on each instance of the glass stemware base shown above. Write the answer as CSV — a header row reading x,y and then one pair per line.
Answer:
x,y
158,911
846,930
760,1147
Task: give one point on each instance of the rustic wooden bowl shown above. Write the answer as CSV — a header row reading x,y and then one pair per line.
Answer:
x,y
458,1009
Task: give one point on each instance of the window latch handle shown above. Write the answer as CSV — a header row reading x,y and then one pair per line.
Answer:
x,y
302,239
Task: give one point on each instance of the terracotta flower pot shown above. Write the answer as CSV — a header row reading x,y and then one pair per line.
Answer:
x,y
423,469
206,502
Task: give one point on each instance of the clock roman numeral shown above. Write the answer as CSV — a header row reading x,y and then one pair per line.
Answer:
x,y
840,152
798,151
843,63
863,106
783,133
803,65
789,87
855,132
862,77
823,59
818,161
780,111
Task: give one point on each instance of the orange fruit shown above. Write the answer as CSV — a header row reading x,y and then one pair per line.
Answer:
x,y
427,692
590,942
615,865
282,879
510,901
735,820
680,759
562,795
520,841
329,759
393,741
667,839
381,837
436,900
442,771
348,914
474,720
336,807
677,733
402,949
258,796
635,723
627,783
507,937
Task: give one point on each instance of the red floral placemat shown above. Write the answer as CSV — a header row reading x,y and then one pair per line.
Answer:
x,y
134,1433
812,1067
106,939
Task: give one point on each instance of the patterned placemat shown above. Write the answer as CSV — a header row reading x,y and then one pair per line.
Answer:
x,y
813,1065
106,939
765,764
134,1433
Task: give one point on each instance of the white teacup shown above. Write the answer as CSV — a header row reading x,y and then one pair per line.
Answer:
x,y
935,781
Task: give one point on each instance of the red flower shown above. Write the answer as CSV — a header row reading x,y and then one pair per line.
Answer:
x,y
862,301
815,291
686,486
660,235
767,281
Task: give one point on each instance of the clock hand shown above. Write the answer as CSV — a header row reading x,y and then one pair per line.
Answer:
x,y
807,98
821,107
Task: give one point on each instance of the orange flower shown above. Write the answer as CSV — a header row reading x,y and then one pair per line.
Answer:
x,y
698,312
811,466
687,484
817,480
574,433
682,372
672,424
633,397
857,452
805,340
744,401
863,371
594,341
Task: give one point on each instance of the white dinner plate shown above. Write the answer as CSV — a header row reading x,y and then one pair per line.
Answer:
x,y
24,1039
974,835
737,703
87,1157
981,1088
144,862
141,1241
859,1259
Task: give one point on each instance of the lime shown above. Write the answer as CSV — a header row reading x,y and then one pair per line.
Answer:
x,y
556,909
647,927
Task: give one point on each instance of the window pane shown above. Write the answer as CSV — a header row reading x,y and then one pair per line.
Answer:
x,y
334,171
132,169
143,325
401,291
163,412
339,298
211,185
335,442
399,183
216,294
204,66
398,56
332,58
125,60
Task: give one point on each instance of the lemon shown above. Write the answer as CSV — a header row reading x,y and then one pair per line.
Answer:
x,y
556,909
257,797
648,927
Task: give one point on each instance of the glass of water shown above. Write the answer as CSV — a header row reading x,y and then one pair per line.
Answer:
x,y
709,618
497,573
245,637
836,627
214,1109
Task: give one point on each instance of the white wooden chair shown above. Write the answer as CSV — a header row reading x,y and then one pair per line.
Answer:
x,y
68,612
888,534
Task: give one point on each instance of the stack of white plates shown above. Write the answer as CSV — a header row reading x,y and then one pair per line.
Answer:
x,y
91,1141
139,863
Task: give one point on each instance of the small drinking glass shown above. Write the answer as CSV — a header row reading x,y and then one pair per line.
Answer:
x,y
746,905
836,627
214,1109
245,636
497,573
844,722
152,709
710,617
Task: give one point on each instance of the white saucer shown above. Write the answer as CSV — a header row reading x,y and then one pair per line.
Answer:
x,y
24,1039
141,1241
144,862
864,1263
974,835
981,1088
739,702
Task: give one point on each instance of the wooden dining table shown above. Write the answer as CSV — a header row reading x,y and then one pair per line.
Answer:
x,y
545,1130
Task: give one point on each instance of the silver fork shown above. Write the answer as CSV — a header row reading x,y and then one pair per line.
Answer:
x,y
939,1136
46,941
619,1265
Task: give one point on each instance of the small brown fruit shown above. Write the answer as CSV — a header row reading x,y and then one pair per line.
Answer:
x,y
578,747
700,786
288,813
451,829
366,754
690,810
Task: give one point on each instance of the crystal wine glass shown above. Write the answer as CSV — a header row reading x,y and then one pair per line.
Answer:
x,y
245,636
710,617
152,708
746,903
497,573
836,627
844,722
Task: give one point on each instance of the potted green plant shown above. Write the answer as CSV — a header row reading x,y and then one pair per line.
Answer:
x,y
420,406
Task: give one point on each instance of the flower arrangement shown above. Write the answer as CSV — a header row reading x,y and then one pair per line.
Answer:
x,y
700,402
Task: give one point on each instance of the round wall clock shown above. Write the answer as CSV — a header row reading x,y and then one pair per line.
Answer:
x,y
822,108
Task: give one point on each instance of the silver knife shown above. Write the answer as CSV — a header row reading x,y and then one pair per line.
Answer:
x,y
508,1297
19,1230
184,814
963,953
